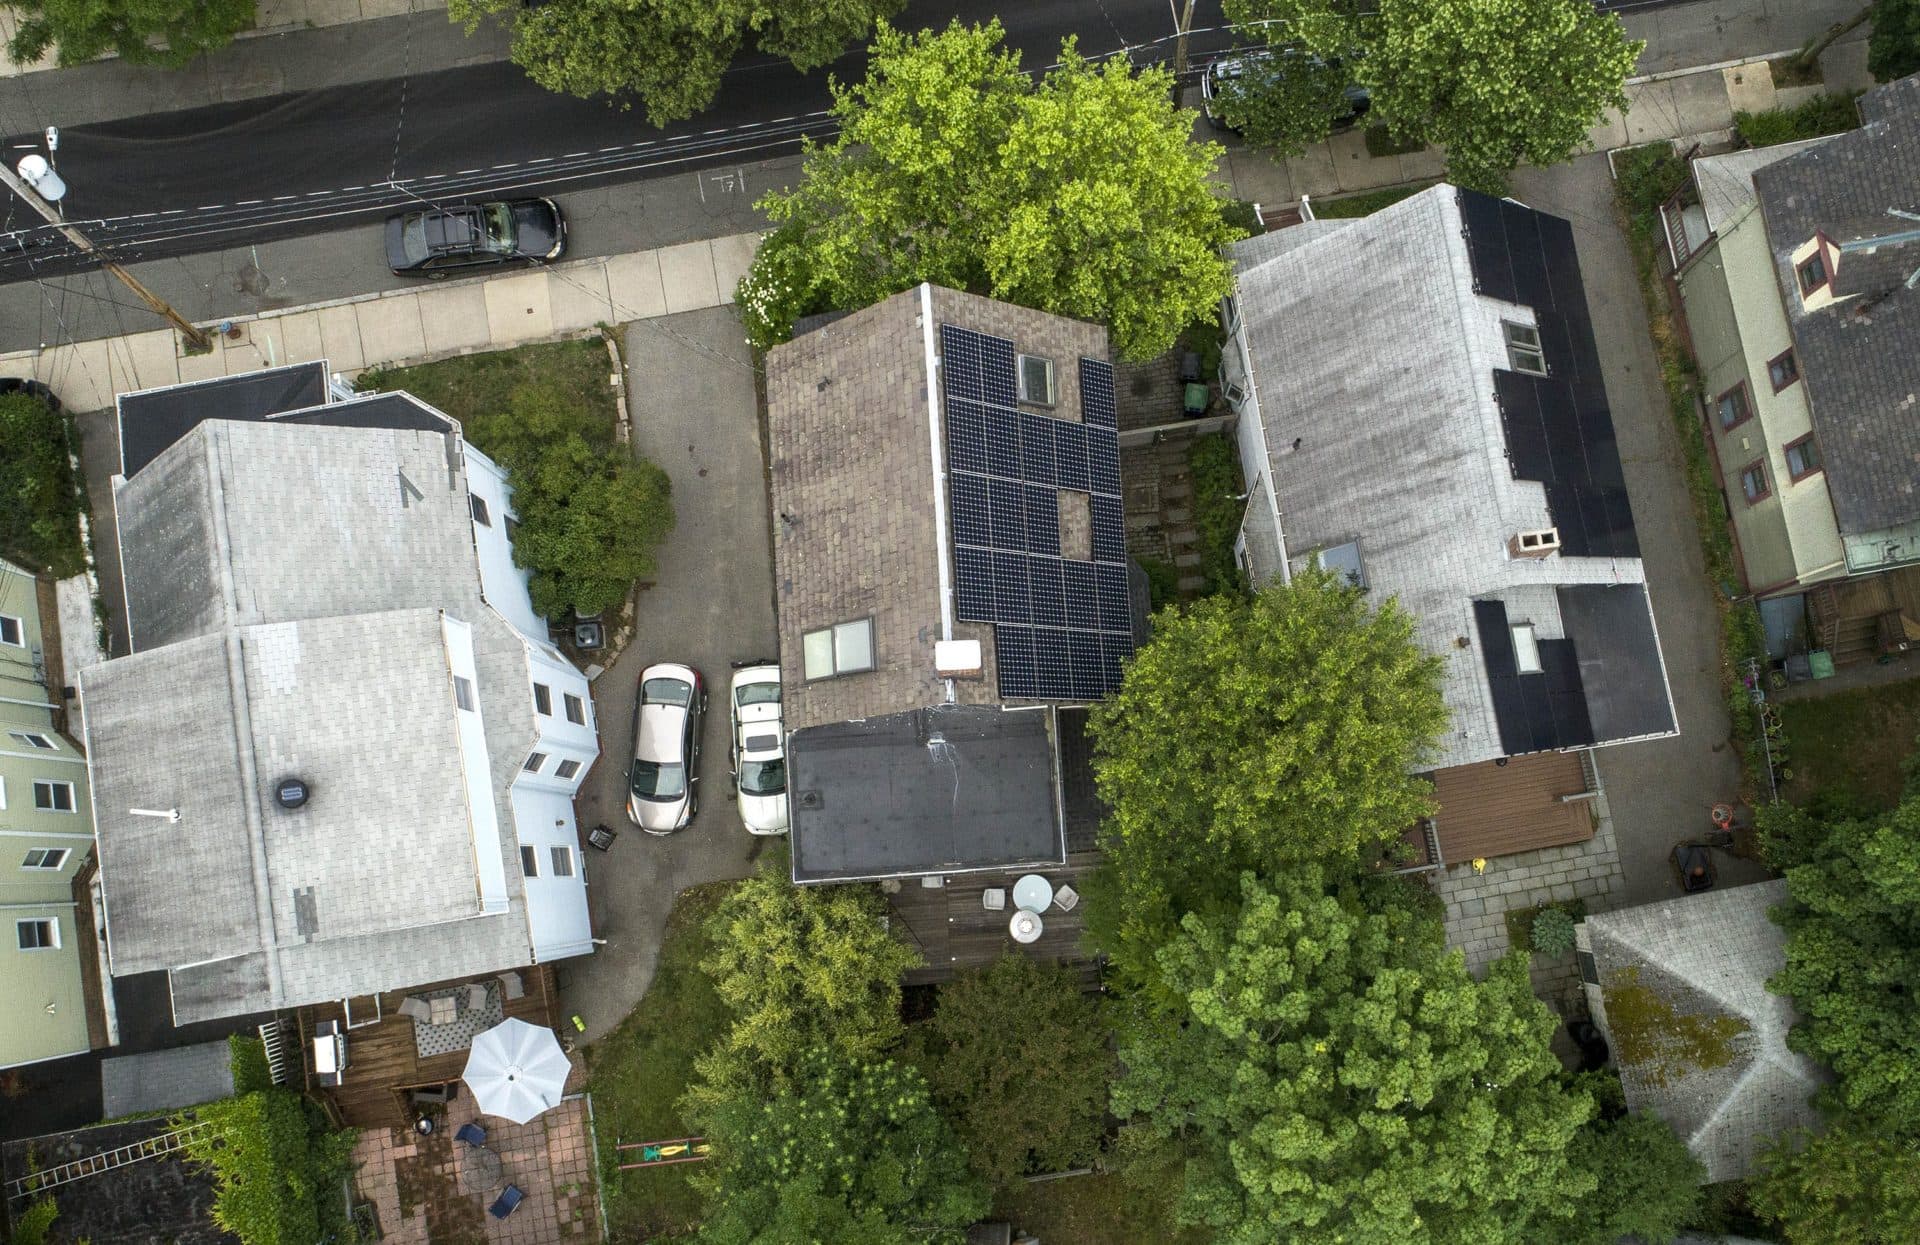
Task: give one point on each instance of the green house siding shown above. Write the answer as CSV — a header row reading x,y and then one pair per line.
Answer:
x,y
46,1013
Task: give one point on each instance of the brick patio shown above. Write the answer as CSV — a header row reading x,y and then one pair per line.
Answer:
x,y
414,1182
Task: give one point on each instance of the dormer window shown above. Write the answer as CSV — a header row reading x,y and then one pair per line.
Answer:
x,y
1812,272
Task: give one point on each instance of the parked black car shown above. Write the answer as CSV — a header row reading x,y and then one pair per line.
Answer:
x,y
441,241
32,388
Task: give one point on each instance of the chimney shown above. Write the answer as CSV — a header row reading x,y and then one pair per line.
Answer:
x,y
1539,544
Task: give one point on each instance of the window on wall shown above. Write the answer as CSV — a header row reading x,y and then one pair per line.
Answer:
x,y
529,861
1813,272
1036,380
576,709
1733,406
1803,458
38,934
463,692
543,699
844,648
1753,482
534,762
33,739
562,862
53,797
566,769
1523,348
48,858
12,632
1783,370
480,514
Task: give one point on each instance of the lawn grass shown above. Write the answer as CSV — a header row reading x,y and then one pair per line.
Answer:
x,y
478,384
1852,743
1366,203
1096,1210
637,1073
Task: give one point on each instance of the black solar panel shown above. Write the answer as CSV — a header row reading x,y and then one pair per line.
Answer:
x,y
996,366
1007,503
1083,595
1010,596
1053,662
973,584
1003,443
966,436
1103,461
1109,530
1036,448
1048,592
1013,658
1088,664
1043,520
1115,610
1070,456
971,525
960,366
1096,394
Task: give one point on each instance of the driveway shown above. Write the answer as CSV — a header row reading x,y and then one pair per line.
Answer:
x,y
1662,791
691,396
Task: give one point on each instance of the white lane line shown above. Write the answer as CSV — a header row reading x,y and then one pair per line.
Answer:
x,y
512,165
575,155
210,207
604,150
541,160
315,194
345,189
434,177
284,198
248,202
466,172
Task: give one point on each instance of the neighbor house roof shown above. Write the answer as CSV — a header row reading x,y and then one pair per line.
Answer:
x,y
1860,354
1394,420
299,594
1681,992
1725,182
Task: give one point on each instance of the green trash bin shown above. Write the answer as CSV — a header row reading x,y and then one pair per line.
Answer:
x,y
1194,399
1820,664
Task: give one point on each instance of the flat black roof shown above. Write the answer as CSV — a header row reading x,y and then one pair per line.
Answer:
x,y
154,419
940,790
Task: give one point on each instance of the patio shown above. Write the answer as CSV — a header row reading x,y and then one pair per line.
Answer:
x,y
954,930
416,1187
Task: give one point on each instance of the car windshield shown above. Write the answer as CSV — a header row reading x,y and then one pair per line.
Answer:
x,y
499,225
763,777
659,780
413,238
759,694
665,692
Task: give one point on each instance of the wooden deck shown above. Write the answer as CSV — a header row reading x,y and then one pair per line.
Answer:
x,y
382,1061
1493,810
1846,611
954,931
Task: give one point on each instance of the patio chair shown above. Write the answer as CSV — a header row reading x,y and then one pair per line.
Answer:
x,y
476,998
994,899
472,1134
416,1010
508,1202
510,987
1065,898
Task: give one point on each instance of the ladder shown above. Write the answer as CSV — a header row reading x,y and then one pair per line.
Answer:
x,y
274,1036
105,1161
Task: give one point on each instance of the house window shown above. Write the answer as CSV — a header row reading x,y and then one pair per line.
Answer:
x,y
1523,348
48,858
543,699
1803,458
1783,370
1036,380
576,709
33,739
566,769
845,648
529,861
513,527
463,692
52,797
38,934
534,762
1753,482
1344,562
1526,649
479,505
1734,407
1813,272
11,632
562,862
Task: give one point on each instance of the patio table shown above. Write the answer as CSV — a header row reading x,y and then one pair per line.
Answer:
x,y
1032,893
1025,926
479,1169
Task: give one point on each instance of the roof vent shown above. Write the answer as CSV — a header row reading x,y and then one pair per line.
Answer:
x,y
810,799
290,793
957,659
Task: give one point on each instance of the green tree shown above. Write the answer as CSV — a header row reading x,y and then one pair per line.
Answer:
x,y
1853,1184
1893,49
996,1038
1853,952
670,53
800,968
852,1150
1257,733
1080,194
590,515
39,495
276,1168
1646,1183
1292,86
1334,1075
141,32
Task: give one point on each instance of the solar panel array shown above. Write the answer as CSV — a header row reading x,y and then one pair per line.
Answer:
x,y
1061,626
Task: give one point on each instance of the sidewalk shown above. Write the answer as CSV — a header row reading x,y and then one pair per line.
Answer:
x,y
406,326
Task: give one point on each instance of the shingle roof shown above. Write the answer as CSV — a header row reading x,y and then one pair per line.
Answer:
x,y
1698,1038
1859,356
1725,182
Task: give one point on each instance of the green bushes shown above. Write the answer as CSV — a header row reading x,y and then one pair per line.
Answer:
x,y
1217,508
35,1221
248,1059
1553,932
276,1168
1823,114
40,498
1365,203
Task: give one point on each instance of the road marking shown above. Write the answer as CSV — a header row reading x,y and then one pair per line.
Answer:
x,y
605,150
541,160
514,165
433,177
248,202
314,194
209,207
465,172
345,189
574,155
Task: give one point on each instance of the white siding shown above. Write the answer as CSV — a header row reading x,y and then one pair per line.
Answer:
x,y
557,917
503,584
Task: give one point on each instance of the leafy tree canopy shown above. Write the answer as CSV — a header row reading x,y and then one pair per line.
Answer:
x,y
851,1150
998,1037
276,1168
1853,1184
1893,49
1333,1075
1496,82
1647,1183
590,515
1257,733
141,32
1080,194
39,495
1853,951
801,968
670,53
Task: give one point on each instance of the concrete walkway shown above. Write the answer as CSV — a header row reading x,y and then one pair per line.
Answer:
x,y
397,327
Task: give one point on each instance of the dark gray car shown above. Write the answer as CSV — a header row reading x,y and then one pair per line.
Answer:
x,y
439,242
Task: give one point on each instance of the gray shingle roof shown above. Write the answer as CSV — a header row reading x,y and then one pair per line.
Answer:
x,y
1725,182
1698,1038
1859,356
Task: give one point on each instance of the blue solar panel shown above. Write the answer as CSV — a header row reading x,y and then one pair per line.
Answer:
x,y
1109,530
1083,594
1013,656
970,523
1070,455
1010,597
1003,443
1103,461
1036,448
960,363
1043,520
1048,593
996,370
1089,665
1116,611
973,584
1007,503
1053,662
1096,394
966,437
1115,648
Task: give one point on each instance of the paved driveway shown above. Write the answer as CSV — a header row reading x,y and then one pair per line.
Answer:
x,y
690,390
1660,792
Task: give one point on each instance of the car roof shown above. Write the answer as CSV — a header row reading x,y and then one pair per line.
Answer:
x,y
662,733
671,670
454,229
747,676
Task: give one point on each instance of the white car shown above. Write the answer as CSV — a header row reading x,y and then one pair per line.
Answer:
x,y
759,748
664,781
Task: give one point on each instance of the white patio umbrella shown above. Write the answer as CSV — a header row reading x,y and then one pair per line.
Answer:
x,y
516,1070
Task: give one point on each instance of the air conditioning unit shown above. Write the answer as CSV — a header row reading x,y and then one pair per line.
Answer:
x,y
958,659
1539,544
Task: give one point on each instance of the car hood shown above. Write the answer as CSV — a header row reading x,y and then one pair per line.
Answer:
x,y
764,814
753,715
537,229
657,814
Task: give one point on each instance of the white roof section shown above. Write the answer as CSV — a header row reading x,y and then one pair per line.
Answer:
x,y
1725,182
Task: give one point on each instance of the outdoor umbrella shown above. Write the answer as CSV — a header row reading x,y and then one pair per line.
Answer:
x,y
516,1070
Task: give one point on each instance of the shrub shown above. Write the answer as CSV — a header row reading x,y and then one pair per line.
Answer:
x,y
1823,114
1553,931
248,1059
1215,470
35,1221
276,1170
40,498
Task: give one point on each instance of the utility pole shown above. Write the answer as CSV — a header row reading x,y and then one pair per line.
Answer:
x,y
196,338
1181,26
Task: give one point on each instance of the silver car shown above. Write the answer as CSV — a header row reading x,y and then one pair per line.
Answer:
x,y
759,748
663,783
